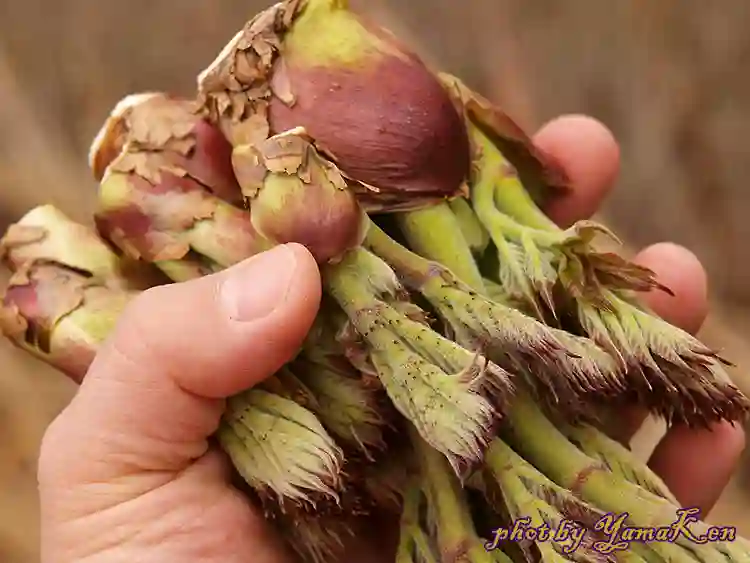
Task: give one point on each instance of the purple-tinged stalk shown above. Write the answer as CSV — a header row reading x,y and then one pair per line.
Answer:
x,y
295,195
412,148
167,189
371,104
60,315
561,275
544,446
539,441
173,222
618,458
532,499
46,234
354,411
439,386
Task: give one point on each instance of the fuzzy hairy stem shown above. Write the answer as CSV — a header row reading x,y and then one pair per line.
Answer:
x,y
560,274
431,380
562,368
62,304
541,443
619,459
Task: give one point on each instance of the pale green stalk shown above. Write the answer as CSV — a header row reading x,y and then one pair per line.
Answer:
x,y
541,443
431,380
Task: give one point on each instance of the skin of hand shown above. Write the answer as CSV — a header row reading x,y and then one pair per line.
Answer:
x,y
126,472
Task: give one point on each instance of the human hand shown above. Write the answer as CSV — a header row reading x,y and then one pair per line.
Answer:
x,y
126,473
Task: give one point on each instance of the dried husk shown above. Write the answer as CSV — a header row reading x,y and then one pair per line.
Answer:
x,y
175,137
371,105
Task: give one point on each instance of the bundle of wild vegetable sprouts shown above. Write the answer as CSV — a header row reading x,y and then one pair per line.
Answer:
x,y
466,345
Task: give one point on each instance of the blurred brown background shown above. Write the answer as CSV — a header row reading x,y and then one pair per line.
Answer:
x,y
669,77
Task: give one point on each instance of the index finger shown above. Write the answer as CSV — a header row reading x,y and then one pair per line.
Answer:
x,y
590,156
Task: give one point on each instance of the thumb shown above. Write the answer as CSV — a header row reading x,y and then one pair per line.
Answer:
x,y
154,393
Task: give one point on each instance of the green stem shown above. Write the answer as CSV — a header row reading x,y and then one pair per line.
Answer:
x,y
477,237
618,458
413,268
513,199
456,535
412,537
542,444
449,247
485,185
503,462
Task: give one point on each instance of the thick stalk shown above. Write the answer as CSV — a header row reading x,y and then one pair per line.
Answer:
x,y
619,459
62,305
503,464
474,232
563,368
558,505
414,545
456,536
512,198
443,221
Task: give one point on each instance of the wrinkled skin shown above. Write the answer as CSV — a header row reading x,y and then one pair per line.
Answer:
x,y
126,472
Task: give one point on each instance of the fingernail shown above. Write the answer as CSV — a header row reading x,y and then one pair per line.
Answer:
x,y
256,287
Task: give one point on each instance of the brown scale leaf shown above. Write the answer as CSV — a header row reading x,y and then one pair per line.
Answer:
x,y
292,152
163,123
541,175
145,122
156,132
588,271
234,90
59,315
21,235
44,293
